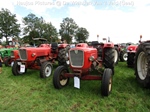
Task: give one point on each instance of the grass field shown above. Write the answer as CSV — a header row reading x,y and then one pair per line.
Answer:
x,y
30,93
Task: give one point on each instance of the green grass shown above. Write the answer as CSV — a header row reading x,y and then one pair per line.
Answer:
x,y
30,93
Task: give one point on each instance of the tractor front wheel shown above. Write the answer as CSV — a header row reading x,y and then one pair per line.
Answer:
x,y
8,62
59,80
16,68
4,59
142,64
123,56
106,86
46,70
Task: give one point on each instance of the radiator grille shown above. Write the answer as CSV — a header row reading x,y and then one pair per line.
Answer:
x,y
77,58
23,54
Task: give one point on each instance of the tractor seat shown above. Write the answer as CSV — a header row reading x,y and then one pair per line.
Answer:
x,y
95,44
54,47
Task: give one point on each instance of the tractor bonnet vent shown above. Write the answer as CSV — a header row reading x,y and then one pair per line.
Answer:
x,y
76,58
23,54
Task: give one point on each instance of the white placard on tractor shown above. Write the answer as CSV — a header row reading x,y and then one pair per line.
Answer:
x,y
22,68
77,82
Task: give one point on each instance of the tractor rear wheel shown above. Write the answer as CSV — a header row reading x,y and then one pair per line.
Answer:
x,y
106,86
59,80
46,70
63,55
109,56
116,58
16,69
130,60
123,56
142,64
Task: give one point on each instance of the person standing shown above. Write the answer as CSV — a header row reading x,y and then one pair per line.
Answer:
x,y
1,61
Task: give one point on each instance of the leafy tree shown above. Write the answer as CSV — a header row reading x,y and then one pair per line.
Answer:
x,y
37,28
81,35
67,29
30,23
49,32
8,25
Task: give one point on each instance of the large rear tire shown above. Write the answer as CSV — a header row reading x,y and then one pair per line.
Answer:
x,y
142,64
59,80
130,60
63,55
108,59
116,58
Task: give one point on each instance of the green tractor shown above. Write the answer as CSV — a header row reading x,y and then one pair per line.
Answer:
x,y
5,53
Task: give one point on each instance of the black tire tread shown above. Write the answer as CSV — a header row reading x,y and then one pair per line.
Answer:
x,y
105,82
56,75
108,60
42,69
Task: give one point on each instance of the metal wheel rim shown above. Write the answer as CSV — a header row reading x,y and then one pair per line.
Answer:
x,y
48,71
142,66
67,60
63,82
110,84
116,56
125,56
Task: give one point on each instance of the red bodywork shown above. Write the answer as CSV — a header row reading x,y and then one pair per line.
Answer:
x,y
132,48
83,71
33,57
14,55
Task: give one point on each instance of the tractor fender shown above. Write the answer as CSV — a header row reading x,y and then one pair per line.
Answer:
x,y
40,61
109,44
63,45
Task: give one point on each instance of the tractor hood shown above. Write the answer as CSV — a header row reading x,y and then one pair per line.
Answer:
x,y
132,48
31,53
80,57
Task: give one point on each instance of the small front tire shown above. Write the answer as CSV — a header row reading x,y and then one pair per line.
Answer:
x,y
16,69
106,86
46,70
59,80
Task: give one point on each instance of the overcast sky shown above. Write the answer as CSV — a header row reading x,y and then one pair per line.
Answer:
x,y
121,20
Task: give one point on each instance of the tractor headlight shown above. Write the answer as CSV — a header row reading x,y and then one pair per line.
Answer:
x,y
91,58
33,54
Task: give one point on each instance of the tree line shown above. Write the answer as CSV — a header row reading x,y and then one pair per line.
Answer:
x,y
37,27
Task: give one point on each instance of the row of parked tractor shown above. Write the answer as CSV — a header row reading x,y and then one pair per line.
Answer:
x,y
84,61
138,57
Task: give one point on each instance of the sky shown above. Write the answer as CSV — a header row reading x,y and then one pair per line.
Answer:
x,y
120,20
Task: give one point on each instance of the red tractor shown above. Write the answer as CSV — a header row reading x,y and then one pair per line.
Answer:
x,y
142,63
41,58
131,50
84,60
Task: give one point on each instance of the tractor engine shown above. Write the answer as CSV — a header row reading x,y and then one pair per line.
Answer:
x,y
31,53
14,54
82,58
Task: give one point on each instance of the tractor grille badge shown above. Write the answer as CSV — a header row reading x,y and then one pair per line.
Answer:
x,y
76,51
